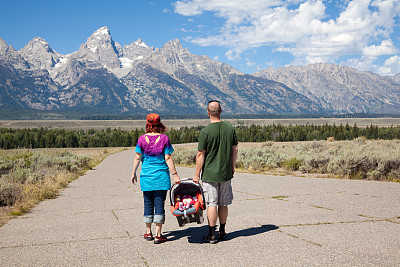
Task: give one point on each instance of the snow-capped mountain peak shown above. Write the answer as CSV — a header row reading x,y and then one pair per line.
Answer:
x,y
102,31
139,42
137,50
38,53
100,39
102,44
11,56
37,44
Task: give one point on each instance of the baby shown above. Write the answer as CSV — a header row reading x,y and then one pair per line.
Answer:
x,y
187,202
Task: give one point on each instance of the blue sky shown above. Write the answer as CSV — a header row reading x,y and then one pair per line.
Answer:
x,y
250,35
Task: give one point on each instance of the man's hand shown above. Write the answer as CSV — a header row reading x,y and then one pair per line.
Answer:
x,y
196,179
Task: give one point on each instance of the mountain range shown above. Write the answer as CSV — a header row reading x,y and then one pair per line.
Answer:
x,y
103,77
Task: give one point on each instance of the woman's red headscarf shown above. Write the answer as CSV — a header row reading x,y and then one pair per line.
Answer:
x,y
153,123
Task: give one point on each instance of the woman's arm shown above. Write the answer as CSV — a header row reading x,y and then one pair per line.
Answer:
x,y
136,163
171,166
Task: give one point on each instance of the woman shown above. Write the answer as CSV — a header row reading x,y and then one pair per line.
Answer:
x,y
154,149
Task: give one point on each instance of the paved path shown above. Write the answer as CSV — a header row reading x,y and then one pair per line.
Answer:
x,y
274,221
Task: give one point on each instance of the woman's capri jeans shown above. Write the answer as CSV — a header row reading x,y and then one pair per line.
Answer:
x,y
154,206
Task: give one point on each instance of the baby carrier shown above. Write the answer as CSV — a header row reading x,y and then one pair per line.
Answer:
x,y
187,202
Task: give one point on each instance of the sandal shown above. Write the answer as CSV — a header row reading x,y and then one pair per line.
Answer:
x,y
160,239
148,237
210,239
221,236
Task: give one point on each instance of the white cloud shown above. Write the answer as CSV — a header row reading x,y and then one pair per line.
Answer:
x,y
300,27
234,11
184,30
385,48
391,66
363,63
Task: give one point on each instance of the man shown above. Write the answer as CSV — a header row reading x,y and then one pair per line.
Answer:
x,y
216,157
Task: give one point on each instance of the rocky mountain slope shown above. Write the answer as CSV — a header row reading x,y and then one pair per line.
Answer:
x,y
104,77
340,89
396,78
194,80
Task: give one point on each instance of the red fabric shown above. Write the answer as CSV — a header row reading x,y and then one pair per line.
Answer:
x,y
199,203
153,119
172,209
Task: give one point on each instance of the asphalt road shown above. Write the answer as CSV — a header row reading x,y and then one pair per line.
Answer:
x,y
274,221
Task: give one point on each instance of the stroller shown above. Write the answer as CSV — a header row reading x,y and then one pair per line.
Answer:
x,y
187,202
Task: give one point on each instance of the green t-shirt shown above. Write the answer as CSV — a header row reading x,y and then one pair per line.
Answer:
x,y
217,140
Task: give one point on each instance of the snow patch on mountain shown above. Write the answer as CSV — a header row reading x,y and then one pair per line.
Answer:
x,y
102,31
126,62
139,42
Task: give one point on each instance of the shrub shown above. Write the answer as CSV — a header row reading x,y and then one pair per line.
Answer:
x,y
292,164
257,159
185,157
9,194
357,159
32,175
5,165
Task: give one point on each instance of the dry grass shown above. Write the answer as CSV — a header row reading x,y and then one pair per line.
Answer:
x,y
30,176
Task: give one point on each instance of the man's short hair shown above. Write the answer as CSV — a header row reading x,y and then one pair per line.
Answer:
x,y
214,107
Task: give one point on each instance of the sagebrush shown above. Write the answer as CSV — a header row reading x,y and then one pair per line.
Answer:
x,y
29,175
356,159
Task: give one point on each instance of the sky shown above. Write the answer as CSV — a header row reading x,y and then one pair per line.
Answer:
x,y
249,35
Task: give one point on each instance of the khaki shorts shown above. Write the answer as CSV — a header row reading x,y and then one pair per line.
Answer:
x,y
218,194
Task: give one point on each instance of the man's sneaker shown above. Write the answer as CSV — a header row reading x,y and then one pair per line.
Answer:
x,y
222,236
148,237
160,239
210,239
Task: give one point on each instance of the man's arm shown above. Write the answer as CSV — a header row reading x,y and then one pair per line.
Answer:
x,y
199,165
234,157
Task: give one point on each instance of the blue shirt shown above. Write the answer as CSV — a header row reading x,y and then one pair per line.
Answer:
x,y
154,174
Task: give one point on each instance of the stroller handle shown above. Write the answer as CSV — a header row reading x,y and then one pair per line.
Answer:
x,y
182,180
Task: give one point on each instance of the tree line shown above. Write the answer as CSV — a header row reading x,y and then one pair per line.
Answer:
x,y
61,138
310,132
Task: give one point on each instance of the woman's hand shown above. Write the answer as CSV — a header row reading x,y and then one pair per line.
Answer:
x,y
134,178
136,162
177,180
